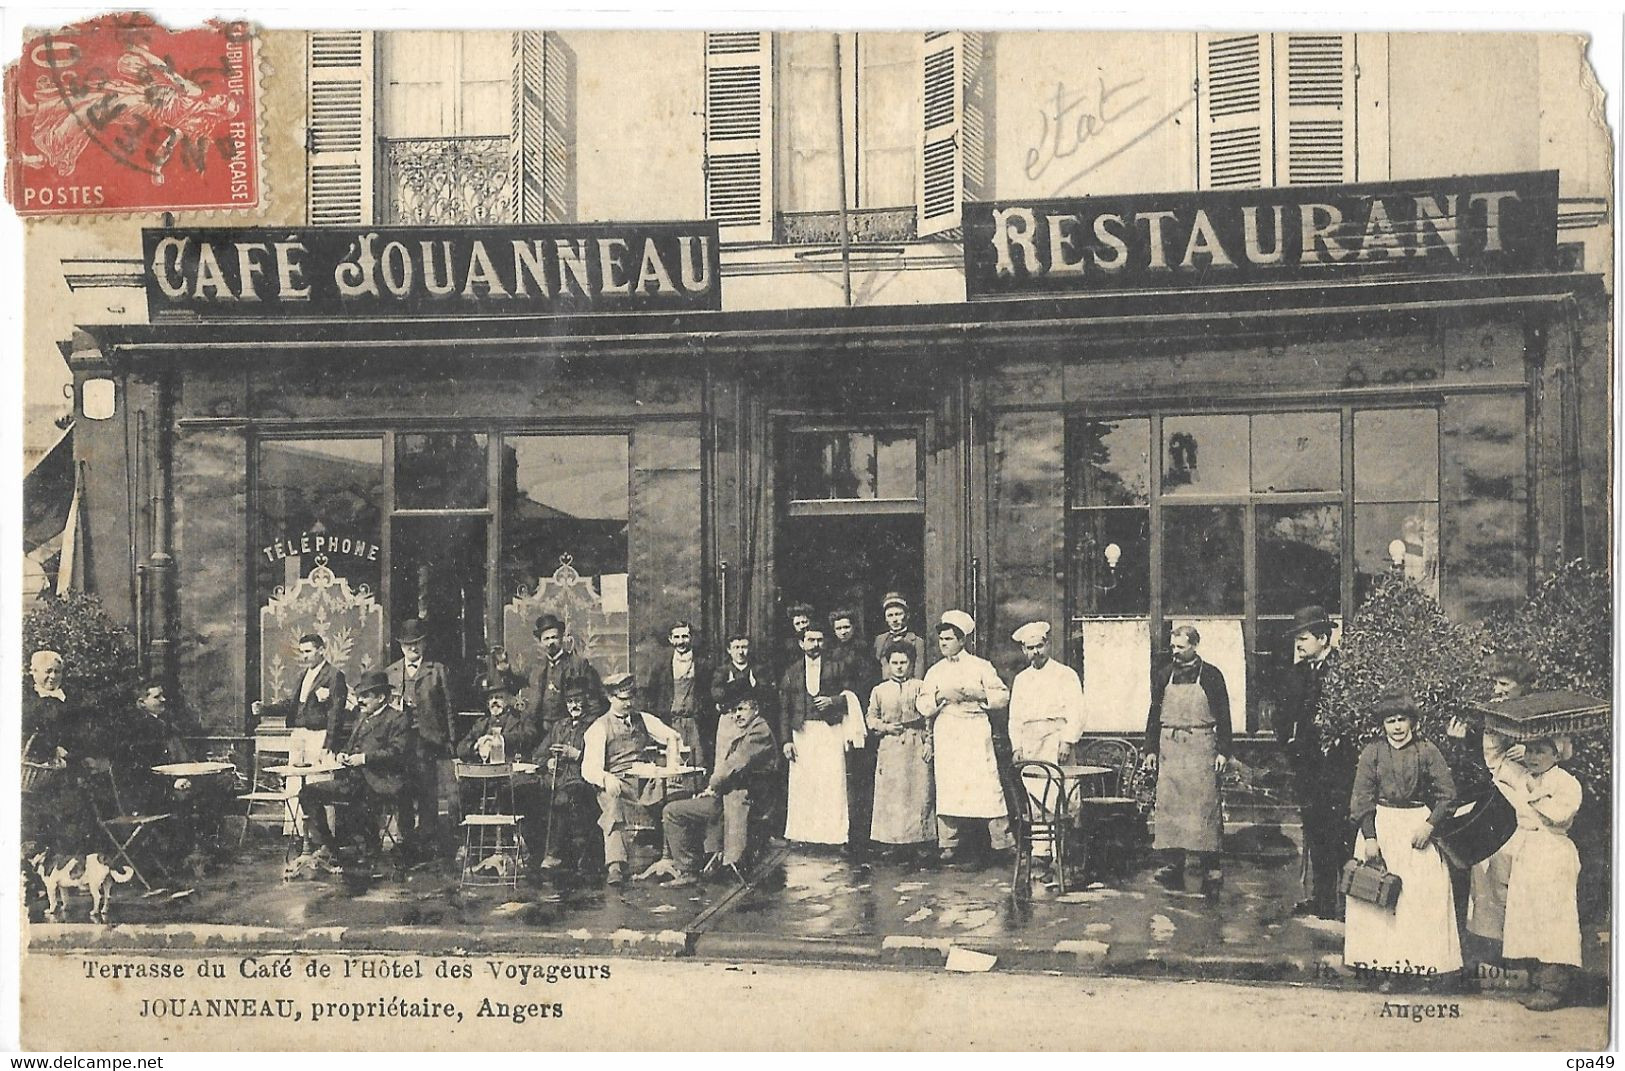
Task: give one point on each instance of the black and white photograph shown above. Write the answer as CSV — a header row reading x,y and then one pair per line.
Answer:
x,y
1076,539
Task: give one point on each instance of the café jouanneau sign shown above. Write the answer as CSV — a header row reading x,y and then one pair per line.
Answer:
x,y
1460,225
548,270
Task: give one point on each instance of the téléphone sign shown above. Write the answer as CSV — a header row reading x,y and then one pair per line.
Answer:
x,y
548,270
1459,225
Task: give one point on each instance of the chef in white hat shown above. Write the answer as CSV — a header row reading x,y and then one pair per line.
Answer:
x,y
958,693
1046,701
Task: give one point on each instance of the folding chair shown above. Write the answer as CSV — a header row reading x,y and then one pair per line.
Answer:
x,y
124,830
1041,818
268,798
491,833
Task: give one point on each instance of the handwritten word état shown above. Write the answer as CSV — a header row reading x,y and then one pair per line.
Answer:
x,y
1071,122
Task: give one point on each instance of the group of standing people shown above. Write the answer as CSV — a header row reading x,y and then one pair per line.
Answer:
x,y
1385,806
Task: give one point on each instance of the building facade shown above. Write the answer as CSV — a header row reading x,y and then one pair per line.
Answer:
x,y
852,364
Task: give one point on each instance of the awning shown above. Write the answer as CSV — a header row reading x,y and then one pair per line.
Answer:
x,y
48,494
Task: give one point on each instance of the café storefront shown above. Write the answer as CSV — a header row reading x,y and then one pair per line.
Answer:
x,y
1211,407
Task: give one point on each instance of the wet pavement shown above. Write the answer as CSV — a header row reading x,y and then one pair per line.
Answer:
x,y
800,904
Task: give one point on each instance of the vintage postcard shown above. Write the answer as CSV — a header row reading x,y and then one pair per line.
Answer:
x,y
813,539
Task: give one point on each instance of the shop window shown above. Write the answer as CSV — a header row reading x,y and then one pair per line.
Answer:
x,y
564,495
853,465
565,503
1253,516
1110,469
440,470
1297,452
1300,556
1396,497
318,519
1205,455
1203,550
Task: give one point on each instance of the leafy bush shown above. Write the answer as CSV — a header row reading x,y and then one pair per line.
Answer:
x,y
101,669
1400,637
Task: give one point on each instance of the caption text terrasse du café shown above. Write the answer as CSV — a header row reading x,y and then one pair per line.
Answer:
x,y
349,989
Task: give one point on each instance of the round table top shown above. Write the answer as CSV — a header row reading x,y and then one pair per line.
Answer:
x,y
1073,771
660,771
191,769
305,771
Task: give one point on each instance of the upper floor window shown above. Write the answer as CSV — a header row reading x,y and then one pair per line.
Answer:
x,y
1290,109
802,125
432,127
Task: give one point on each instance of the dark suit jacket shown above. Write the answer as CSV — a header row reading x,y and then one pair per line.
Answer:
x,y
661,686
1296,706
795,705
428,701
1218,701
543,697
383,737
315,713
520,733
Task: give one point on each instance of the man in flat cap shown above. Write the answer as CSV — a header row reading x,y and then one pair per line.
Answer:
x,y
425,697
960,692
371,758
1328,836
716,821
555,669
610,747
1046,701
895,608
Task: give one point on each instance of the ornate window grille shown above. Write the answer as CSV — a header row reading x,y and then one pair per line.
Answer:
x,y
429,181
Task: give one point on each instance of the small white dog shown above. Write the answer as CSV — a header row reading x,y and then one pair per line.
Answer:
x,y
90,873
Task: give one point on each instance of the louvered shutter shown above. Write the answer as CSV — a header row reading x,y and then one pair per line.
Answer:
x,y
339,127
1314,74
940,199
1234,137
977,87
739,135
526,174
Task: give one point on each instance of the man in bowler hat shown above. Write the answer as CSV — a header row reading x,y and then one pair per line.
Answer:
x,y
424,697
556,670
1328,840
371,758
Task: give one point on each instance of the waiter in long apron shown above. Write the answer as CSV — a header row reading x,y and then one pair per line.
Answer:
x,y
1187,741
958,693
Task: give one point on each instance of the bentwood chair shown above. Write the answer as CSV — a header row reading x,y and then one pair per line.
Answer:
x,y
493,846
1041,820
1109,816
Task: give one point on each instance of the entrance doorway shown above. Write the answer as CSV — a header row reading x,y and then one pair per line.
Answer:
x,y
853,561
437,574
851,519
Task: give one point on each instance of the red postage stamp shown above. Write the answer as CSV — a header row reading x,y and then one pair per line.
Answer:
x,y
120,114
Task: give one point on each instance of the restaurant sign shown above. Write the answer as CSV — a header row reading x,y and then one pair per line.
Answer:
x,y
546,270
1462,225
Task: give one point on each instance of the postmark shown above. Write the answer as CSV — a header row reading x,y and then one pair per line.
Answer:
x,y
122,114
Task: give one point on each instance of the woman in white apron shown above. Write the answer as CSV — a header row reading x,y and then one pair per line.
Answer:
x,y
1542,901
958,693
1187,741
1402,790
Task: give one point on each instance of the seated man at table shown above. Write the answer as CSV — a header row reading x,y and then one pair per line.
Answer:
x,y
568,808
371,758
717,820
612,746
502,720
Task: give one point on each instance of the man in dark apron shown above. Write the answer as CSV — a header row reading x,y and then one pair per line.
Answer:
x,y
1187,742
